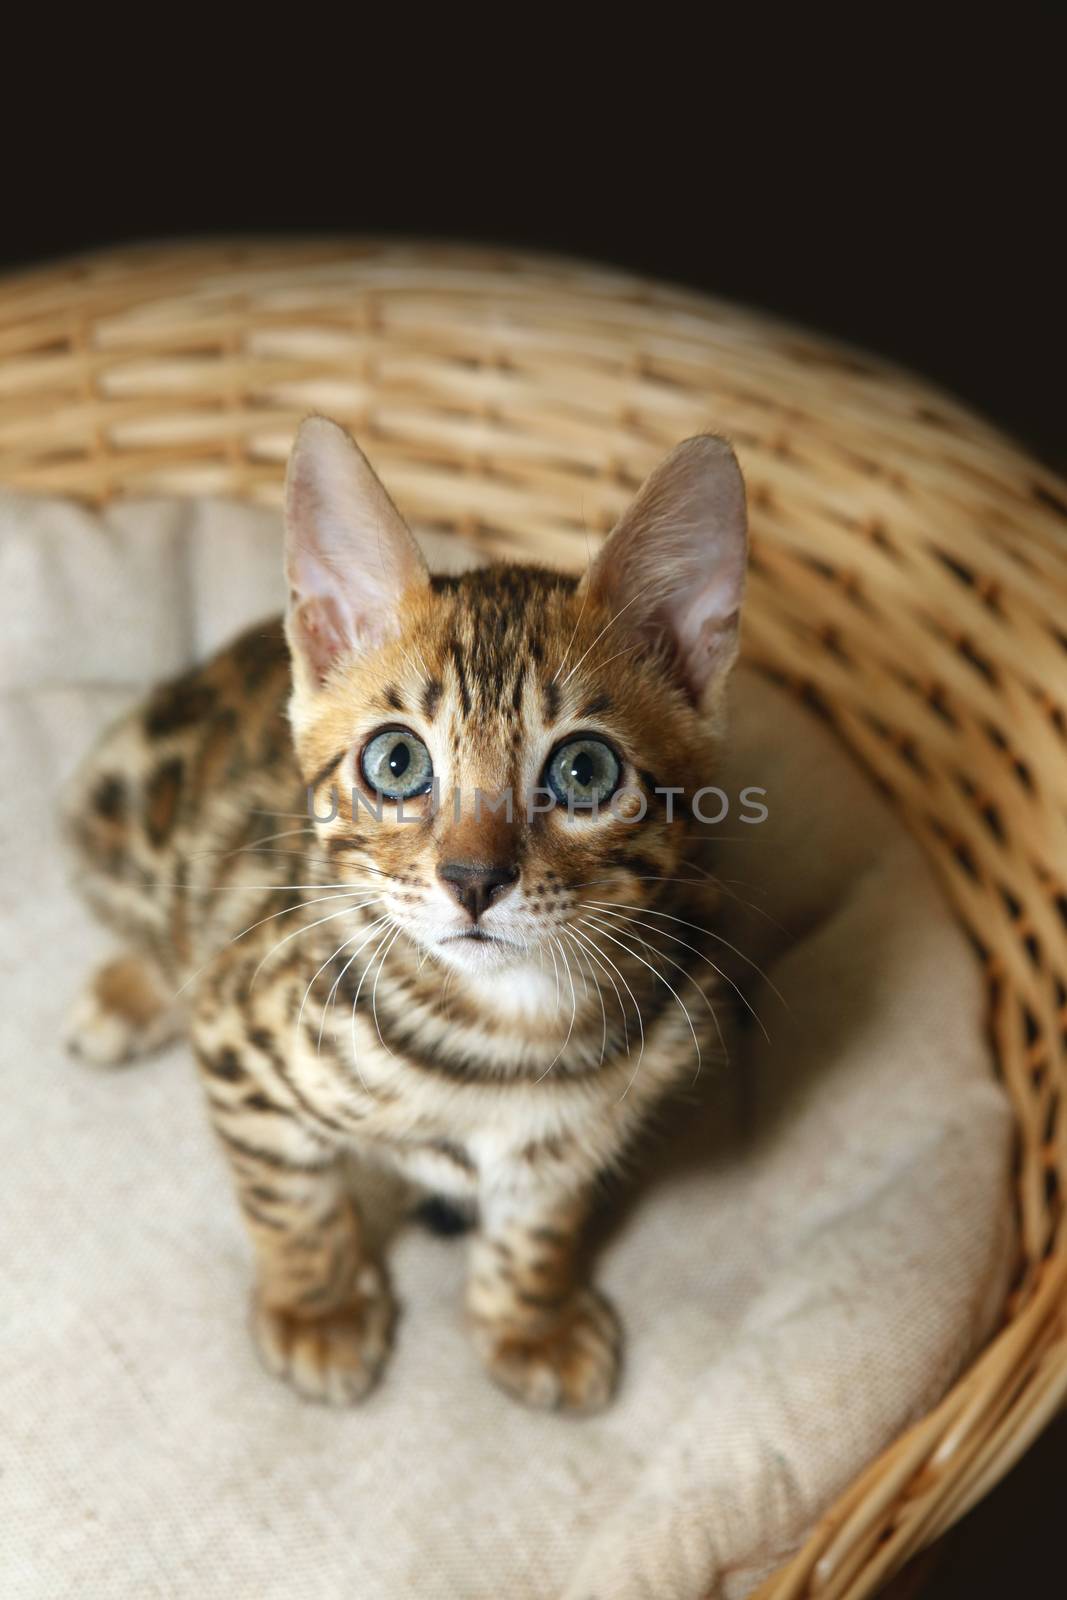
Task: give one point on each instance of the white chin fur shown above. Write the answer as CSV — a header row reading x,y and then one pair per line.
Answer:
x,y
473,955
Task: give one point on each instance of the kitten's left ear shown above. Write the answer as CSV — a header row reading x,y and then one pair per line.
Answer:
x,y
675,563
348,553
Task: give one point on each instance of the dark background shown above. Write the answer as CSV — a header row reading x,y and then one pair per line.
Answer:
x,y
903,192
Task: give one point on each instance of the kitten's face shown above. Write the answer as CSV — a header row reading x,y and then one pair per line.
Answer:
x,y
433,701
505,682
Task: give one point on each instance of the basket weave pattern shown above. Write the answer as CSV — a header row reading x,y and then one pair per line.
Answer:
x,y
909,575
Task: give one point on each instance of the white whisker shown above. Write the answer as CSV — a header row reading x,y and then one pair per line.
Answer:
x,y
585,982
687,975
645,877
286,911
370,932
555,968
603,955
311,983
633,953
598,666
725,976
374,990
426,671
706,880
263,888
574,632
363,866
345,912
283,833
722,884
574,1012
243,849
355,1003
632,601
711,934
590,957
260,811
583,960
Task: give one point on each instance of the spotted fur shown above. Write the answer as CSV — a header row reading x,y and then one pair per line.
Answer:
x,y
308,960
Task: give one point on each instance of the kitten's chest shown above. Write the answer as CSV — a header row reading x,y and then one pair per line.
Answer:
x,y
459,1138
510,1131
462,1102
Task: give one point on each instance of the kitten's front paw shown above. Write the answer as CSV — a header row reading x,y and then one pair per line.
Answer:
x,y
572,1367
336,1357
124,1011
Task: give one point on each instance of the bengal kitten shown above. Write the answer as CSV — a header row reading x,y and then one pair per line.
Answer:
x,y
492,1001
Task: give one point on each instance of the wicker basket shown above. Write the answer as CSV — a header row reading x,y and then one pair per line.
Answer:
x,y
909,570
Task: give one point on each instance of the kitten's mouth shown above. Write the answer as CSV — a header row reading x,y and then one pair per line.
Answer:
x,y
477,951
476,948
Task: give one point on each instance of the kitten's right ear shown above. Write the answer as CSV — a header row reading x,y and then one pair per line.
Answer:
x,y
348,553
675,562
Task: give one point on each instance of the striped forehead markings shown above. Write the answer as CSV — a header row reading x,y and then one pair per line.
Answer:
x,y
550,698
431,696
459,665
499,633
595,707
517,687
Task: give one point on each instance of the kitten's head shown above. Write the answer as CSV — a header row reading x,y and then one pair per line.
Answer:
x,y
432,700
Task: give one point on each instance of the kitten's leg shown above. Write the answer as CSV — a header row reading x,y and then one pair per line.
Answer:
x,y
321,1312
542,1334
127,1009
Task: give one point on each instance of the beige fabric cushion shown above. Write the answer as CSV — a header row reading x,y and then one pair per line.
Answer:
x,y
801,1276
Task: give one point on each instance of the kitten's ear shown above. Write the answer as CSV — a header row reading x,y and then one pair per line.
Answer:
x,y
348,553
675,563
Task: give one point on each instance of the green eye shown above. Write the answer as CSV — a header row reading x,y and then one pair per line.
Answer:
x,y
397,764
583,772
